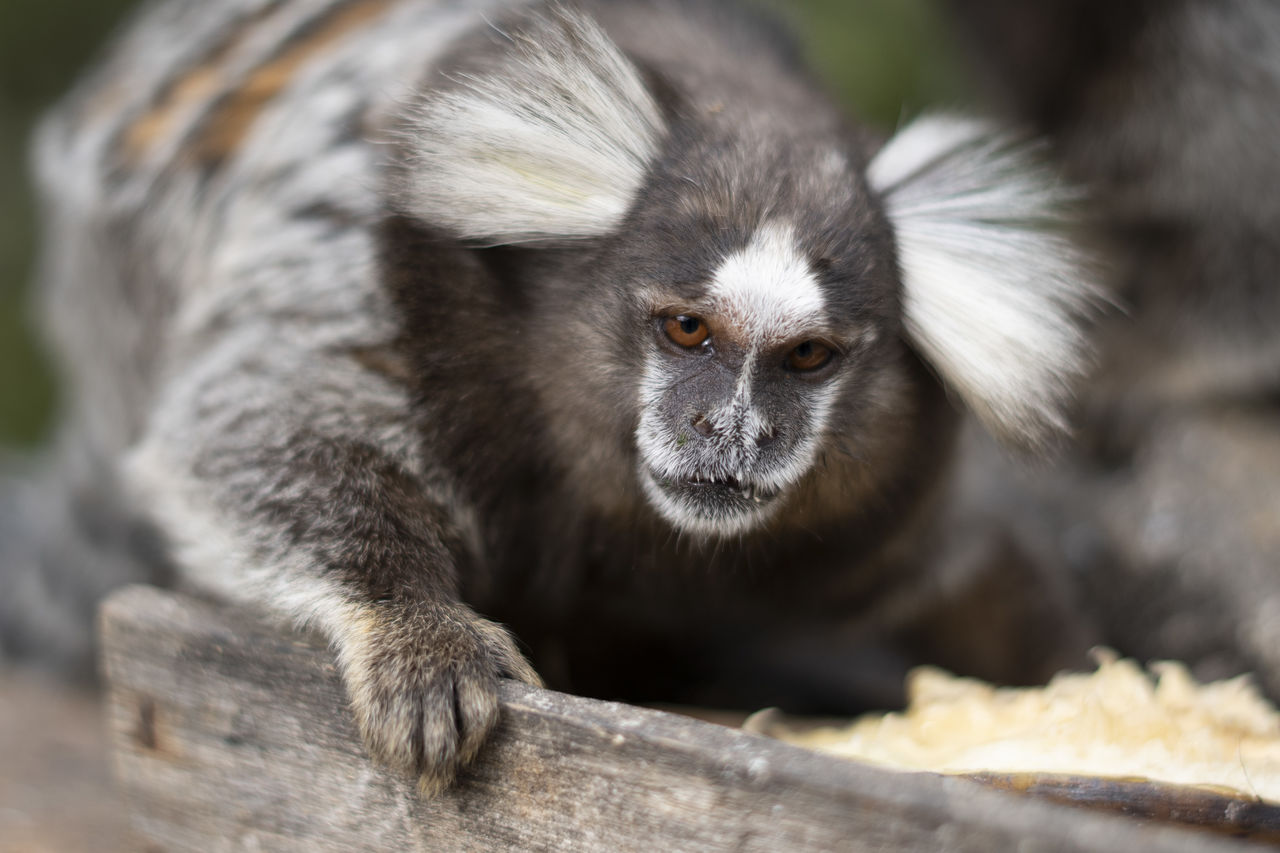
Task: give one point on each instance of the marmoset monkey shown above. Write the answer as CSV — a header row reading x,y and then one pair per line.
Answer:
x,y
411,320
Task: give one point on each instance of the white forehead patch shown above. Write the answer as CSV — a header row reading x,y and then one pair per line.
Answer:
x,y
768,289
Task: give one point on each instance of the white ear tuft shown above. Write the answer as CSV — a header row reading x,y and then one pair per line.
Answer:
x,y
552,141
995,295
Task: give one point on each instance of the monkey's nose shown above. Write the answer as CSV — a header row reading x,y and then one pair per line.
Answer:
x,y
704,427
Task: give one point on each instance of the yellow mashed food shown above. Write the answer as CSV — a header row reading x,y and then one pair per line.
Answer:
x,y
1118,722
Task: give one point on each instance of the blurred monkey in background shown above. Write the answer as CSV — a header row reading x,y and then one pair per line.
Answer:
x,y
1167,113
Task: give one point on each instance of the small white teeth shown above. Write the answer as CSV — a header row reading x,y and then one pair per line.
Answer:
x,y
746,489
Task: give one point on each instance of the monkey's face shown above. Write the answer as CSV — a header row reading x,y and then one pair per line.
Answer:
x,y
747,373
766,299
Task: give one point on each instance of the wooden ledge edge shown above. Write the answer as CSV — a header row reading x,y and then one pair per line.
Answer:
x,y
225,726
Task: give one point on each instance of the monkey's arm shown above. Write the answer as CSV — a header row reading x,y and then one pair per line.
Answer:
x,y
289,476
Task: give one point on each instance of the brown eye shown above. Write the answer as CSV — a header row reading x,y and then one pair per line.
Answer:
x,y
686,331
810,355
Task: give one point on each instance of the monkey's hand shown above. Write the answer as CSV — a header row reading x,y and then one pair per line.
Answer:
x,y
423,683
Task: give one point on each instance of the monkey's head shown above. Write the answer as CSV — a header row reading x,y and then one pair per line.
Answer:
x,y
747,276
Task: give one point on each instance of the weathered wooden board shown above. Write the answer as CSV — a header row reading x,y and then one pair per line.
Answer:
x,y
230,734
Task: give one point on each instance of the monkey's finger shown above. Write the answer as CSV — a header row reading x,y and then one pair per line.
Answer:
x,y
510,662
475,713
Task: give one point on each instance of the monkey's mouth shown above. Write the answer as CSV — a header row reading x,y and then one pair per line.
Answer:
x,y
710,503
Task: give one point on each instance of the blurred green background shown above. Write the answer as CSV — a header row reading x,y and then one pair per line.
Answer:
x,y
43,44
885,58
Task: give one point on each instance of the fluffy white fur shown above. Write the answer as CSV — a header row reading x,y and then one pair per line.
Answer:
x,y
768,289
553,144
994,293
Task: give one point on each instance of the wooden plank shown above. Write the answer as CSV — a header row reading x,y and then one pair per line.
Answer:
x,y
231,734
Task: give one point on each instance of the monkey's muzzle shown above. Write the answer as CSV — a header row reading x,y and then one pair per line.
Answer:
x,y
715,500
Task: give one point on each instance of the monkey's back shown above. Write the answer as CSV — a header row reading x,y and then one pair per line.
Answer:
x,y
217,169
